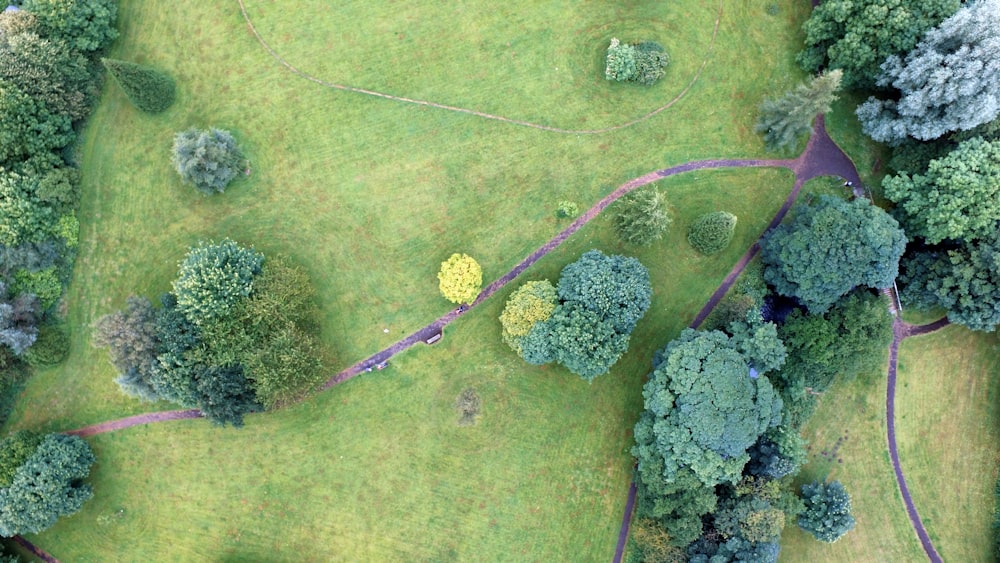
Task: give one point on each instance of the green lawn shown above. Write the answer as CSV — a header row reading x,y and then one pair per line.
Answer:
x,y
370,196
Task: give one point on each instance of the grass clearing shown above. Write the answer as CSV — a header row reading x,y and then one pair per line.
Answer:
x,y
370,196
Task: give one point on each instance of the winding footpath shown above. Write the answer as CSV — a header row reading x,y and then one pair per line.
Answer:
x,y
900,331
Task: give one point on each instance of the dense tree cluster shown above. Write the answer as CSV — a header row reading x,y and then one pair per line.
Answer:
x,y
643,62
586,325
48,82
236,335
41,479
831,247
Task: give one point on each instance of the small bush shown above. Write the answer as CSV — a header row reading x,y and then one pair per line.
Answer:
x,y
567,209
641,62
712,232
208,160
149,90
50,348
468,404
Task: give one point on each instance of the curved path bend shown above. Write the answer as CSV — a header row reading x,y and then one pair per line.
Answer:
x,y
354,89
900,331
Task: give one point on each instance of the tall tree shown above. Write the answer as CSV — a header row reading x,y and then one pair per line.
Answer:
x,y
831,247
48,71
133,344
148,89
47,486
213,277
614,287
531,303
86,25
949,82
827,514
857,35
28,127
460,278
957,198
785,119
642,216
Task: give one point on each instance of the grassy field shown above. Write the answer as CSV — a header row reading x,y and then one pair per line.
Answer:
x,y
370,195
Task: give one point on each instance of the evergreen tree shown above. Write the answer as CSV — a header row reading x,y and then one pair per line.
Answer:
x,y
208,160
827,514
213,277
785,119
642,216
148,89
712,232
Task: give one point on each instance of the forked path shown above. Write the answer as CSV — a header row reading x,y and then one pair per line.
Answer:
x,y
900,331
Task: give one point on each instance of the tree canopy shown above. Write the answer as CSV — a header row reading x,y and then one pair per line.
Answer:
x,y
531,303
642,216
208,160
949,82
460,278
857,35
785,119
213,277
712,232
831,247
86,25
827,514
957,198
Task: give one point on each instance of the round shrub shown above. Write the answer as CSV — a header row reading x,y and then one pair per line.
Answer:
x,y
641,62
149,90
712,232
50,348
208,160
567,209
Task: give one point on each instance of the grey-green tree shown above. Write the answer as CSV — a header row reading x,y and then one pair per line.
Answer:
x,y
208,160
829,248
857,35
949,82
642,217
783,120
827,515
131,339
957,198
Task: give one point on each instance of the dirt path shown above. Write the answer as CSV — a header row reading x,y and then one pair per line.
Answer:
x,y
35,550
303,74
900,331
136,420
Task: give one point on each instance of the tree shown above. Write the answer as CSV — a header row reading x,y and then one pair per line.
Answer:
x,y
578,338
131,339
642,217
213,277
957,198
48,485
949,82
18,320
86,25
148,89
614,287
24,216
784,120
28,127
712,232
208,160
831,247
857,35
964,280
642,62
48,71
224,395
827,514
460,278
531,303
15,449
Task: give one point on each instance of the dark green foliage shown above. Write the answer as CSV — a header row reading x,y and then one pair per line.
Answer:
x,y
601,298
213,277
949,82
148,89
530,304
643,62
18,320
744,301
176,368
965,280
849,340
468,404
996,519
49,484
48,71
759,343
224,395
50,348
712,232
831,247
677,505
778,453
784,120
15,449
642,216
858,35
957,198
208,160
132,342
85,25
28,127
735,549
827,514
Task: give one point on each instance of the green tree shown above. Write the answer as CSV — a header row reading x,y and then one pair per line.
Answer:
x,y
949,82
148,89
460,278
15,449
578,338
50,348
85,25
642,216
614,287
28,127
831,247
531,303
130,335
642,62
224,395
857,35
957,198
49,72
213,277
712,232
48,485
208,160
827,514
785,119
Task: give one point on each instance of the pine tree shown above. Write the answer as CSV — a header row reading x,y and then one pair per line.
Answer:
x,y
149,90
787,118
642,217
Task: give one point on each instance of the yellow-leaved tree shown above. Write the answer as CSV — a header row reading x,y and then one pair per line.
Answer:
x,y
460,278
